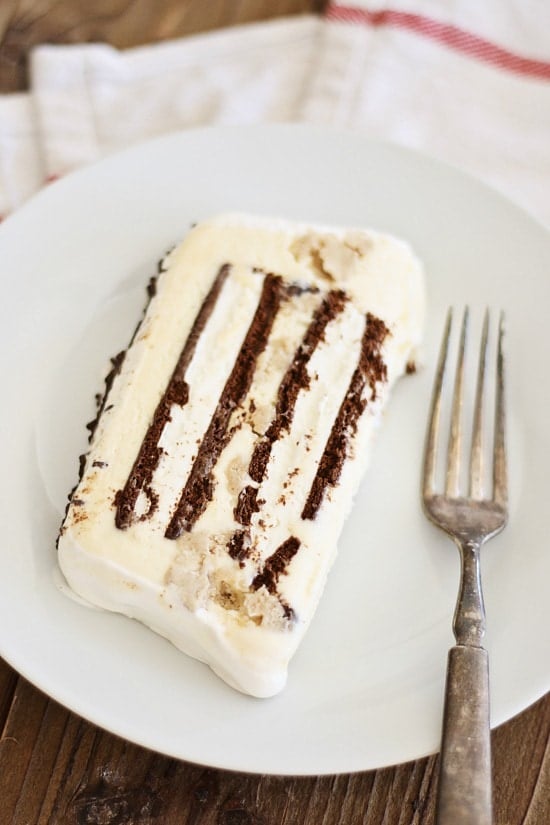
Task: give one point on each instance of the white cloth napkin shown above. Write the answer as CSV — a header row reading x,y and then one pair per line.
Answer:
x,y
468,82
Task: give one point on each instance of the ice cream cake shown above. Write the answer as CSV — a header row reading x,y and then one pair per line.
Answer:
x,y
234,434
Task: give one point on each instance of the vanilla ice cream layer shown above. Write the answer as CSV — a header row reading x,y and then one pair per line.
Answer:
x,y
235,434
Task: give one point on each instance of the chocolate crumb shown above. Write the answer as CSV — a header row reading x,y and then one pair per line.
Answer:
x,y
116,366
239,546
296,289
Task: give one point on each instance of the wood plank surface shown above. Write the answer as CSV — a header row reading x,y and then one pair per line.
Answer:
x,y
57,769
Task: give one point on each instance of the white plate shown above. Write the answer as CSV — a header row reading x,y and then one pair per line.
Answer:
x,y
366,687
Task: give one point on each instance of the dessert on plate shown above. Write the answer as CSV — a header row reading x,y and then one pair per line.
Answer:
x,y
234,433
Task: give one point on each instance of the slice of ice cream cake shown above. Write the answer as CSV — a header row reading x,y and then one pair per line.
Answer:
x,y
235,433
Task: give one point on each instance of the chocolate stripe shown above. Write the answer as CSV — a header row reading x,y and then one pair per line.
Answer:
x,y
177,392
247,505
276,565
295,379
370,370
199,488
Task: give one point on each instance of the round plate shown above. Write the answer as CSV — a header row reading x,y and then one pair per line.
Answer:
x,y
366,687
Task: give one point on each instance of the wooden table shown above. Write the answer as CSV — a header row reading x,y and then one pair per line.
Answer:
x,y
56,768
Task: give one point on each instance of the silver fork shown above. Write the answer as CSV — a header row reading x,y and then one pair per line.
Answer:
x,y
464,790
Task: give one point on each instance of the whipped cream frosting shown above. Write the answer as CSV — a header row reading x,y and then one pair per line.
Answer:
x,y
235,434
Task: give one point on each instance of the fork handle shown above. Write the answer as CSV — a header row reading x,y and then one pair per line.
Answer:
x,y
464,791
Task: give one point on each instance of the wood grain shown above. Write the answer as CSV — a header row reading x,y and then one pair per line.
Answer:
x,y
122,23
57,769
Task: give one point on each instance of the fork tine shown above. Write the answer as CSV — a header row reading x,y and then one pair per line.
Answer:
x,y
476,456
430,450
453,452
500,480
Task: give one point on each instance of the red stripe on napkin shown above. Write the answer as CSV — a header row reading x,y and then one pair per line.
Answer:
x,y
451,36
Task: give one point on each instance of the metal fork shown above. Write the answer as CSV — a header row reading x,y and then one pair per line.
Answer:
x,y
464,790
